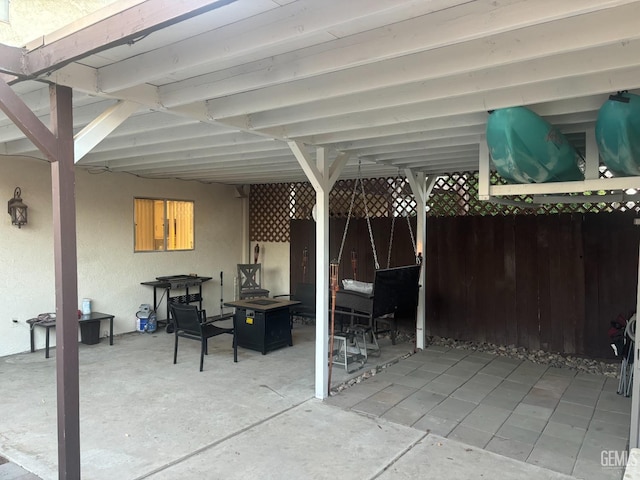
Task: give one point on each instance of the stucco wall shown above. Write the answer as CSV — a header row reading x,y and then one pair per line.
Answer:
x,y
29,19
108,271
274,257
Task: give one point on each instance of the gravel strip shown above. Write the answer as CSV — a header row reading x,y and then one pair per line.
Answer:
x,y
609,368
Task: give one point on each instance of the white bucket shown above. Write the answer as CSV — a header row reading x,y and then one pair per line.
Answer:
x,y
86,306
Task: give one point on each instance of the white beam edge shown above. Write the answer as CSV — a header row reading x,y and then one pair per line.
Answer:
x,y
615,183
555,199
484,170
592,156
416,188
512,203
310,170
96,131
337,167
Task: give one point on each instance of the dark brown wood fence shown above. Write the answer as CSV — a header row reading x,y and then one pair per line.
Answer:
x,y
549,282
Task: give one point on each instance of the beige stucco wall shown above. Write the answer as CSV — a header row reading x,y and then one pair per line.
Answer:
x,y
29,19
108,271
274,257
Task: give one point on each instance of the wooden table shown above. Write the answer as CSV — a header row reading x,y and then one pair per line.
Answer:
x,y
84,319
262,324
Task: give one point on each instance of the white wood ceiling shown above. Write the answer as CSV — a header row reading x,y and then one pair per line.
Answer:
x,y
395,83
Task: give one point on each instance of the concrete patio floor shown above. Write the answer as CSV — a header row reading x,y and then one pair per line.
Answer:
x,y
143,417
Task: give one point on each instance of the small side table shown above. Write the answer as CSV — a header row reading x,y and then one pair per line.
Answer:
x,y
48,324
350,347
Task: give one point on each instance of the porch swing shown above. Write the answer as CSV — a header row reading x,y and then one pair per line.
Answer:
x,y
374,308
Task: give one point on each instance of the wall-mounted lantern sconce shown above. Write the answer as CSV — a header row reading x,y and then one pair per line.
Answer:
x,y
17,209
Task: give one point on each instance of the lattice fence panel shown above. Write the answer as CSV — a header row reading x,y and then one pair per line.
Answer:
x,y
457,194
272,206
269,213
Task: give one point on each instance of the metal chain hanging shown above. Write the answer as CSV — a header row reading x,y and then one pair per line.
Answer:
x,y
413,240
393,225
366,211
346,227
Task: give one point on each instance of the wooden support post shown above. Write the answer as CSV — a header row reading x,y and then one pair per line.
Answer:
x,y
57,145
321,176
421,188
66,277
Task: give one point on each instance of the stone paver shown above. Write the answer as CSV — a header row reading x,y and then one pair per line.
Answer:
x,y
510,448
509,431
486,418
570,420
552,460
471,436
527,422
565,432
437,425
502,398
453,409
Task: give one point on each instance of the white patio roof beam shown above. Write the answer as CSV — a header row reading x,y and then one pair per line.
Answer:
x,y
244,162
212,146
426,153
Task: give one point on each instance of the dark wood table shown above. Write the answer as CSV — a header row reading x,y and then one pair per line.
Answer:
x,y
262,324
83,320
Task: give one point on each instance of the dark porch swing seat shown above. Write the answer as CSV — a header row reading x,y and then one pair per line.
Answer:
x,y
394,289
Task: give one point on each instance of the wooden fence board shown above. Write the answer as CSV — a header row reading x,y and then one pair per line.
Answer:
x,y
526,279
509,293
552,282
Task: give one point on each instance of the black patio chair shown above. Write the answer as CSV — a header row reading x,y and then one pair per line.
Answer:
x,y
305,293
191,323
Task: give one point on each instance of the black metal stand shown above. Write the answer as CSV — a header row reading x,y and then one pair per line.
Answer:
x,y
176,282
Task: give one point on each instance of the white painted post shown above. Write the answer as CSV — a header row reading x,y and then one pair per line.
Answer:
x,y
322,278
421,191
421,243
592,156
634,432
484,171
321,177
